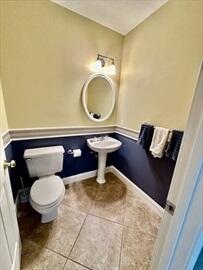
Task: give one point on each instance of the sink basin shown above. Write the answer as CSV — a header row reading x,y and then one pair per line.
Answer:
x,y
103,145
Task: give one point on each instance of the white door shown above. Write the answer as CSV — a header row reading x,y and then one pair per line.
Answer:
x,y
10,245
180,237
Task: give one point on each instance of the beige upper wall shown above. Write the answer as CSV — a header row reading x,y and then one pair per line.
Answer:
x,y
46,51
45,57
161,61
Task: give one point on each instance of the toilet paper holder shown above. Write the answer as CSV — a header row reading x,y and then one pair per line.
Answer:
x,y
74,152
70,151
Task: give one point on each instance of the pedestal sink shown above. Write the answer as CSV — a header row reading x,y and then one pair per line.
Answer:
x,y
103,145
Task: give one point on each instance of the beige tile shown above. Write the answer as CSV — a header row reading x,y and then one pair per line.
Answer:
x,y
137,248
99,240
74,266
28,224
98,244
25,209
139,214
58,235
110,200
81,195
36,257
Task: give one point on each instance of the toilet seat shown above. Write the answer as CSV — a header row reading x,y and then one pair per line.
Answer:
x,y
42,208
47,192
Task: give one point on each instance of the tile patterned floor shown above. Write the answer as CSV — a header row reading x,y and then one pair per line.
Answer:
x,y
100,227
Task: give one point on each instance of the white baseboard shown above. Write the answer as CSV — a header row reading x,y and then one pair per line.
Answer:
x,y
152,204
79,177
83,176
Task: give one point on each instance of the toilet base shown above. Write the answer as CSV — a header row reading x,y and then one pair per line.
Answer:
x,y
50,216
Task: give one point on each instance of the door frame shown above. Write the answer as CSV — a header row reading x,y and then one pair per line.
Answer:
x,y
182,191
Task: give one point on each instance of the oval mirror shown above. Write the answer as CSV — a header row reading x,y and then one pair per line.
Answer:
x,y
98,97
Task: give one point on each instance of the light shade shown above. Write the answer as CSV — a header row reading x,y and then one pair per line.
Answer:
x,y
101,66
112,69
96,66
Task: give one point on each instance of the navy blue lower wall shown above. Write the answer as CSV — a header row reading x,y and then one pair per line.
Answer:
x,y
152,175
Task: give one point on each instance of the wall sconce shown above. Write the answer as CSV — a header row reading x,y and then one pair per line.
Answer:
x,y
100,65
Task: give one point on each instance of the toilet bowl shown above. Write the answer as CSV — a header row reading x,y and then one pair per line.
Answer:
x,y
46,194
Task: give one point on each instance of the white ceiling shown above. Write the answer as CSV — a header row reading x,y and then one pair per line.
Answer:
x,y
118,15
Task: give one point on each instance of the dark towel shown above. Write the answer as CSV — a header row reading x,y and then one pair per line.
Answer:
x,y
145,136
174,144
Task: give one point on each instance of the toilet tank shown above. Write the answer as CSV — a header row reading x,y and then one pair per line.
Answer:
x,y
44,161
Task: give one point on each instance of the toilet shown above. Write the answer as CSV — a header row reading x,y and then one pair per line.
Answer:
x,y
47,192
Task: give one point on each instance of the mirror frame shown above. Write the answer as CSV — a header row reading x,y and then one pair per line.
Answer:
x,y
84,90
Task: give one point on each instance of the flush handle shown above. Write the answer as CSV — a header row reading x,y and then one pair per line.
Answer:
x,y
10,164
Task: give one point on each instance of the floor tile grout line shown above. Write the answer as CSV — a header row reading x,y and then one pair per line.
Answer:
x,y
56,252
77,237
77,210
123,226
89,214
106,219
80,264
45,247
65,264
92,214
95,192
121,247
72,208
86,213
92,201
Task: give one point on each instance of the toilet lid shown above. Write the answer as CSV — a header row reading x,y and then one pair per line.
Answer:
x,y
47,190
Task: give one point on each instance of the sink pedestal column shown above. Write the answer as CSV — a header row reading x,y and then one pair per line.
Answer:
x,y
101,167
